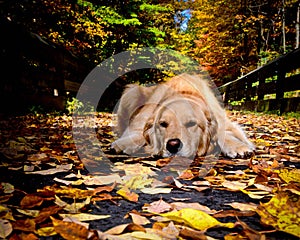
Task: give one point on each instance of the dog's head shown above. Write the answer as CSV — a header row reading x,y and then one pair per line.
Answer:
x,y
182,127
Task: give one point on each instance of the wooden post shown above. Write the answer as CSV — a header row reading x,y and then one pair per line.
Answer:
x,y
280,87
261,81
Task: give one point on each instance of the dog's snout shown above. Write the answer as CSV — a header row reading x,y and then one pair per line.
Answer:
x,y
174,145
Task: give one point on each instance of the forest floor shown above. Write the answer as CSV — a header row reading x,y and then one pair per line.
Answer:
x,y
53,187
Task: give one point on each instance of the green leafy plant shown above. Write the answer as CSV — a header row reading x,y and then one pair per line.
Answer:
x,y
74,105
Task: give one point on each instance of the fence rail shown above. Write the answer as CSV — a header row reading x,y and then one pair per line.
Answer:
x,y
272,87
35,72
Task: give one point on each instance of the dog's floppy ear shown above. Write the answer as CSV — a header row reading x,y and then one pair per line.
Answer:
x,y
147,129
208,143
212,132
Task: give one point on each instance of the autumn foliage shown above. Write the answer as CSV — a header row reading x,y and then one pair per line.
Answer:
x,y
229,38
144,197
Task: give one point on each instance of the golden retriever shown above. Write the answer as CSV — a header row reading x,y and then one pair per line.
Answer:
x,y
181,117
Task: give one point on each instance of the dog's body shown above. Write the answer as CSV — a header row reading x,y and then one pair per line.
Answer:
x,y
179,117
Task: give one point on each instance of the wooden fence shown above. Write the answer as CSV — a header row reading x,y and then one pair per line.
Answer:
x,y
35,72
272,87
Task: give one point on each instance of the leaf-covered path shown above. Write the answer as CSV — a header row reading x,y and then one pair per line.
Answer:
x,y
47,193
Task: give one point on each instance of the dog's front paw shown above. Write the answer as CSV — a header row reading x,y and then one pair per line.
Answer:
x,y
118,146
235,148
128,145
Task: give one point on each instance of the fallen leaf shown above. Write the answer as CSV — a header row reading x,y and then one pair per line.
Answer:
x,y
145,235
256,194
31,213
7,188
73,207
83,217
197,206
68,191
70,230
156,190
68,182
46,231
195,218
5,228
234,185
38,157
127,194
188,233
31,200
57,169
137,182
263,187
123,228
138,219
282,212
45,213
243,206
26,225
159,206
29,236
290,175
102,180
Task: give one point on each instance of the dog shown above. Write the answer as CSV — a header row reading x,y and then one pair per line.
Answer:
x,y
180,117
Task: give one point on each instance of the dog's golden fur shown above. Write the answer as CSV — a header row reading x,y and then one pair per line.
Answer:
x,y
179,117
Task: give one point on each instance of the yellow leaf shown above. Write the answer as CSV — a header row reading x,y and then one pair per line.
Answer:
x,y
83,217
256,194
31,213
290,175
195,219
138,182
7,187
73,207
282,212
46,232
127,194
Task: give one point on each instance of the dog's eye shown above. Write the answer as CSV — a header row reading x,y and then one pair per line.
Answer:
x,y
163,124
190,124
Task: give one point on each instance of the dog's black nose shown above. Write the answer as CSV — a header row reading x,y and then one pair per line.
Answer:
x,y
174,145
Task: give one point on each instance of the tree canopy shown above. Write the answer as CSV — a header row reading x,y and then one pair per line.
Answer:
x,y
229,38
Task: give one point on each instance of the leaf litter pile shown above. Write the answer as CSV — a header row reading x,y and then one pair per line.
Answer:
x,y
47,193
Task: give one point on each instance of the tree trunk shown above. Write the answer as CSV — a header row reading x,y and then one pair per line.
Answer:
x,y
283,27
297,27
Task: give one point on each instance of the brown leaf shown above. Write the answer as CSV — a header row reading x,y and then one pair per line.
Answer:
x,y
188,233
70,230
45,213
25,225
31,200
233,213
38,157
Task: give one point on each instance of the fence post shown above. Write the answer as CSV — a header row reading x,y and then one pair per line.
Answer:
x,y
280,87
261,81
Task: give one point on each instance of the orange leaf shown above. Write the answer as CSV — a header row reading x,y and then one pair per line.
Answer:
x,y
131,196
31,200
70,230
